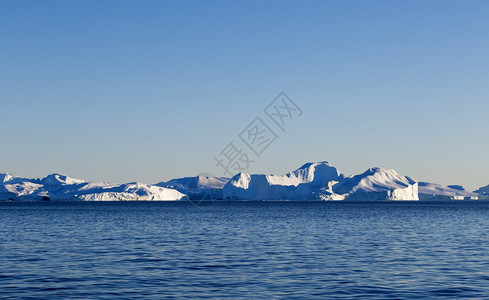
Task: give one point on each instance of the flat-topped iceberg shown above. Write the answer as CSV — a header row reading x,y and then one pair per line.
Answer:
x,y
63,188
127,192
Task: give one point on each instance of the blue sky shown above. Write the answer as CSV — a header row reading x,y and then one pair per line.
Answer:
x,y
151,90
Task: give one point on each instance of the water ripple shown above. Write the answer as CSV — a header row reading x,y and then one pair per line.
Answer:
x,y
159,250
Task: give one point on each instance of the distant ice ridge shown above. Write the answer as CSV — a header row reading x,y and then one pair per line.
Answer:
x,y
63,188
312,181
437,192
322,181
198,187
483,191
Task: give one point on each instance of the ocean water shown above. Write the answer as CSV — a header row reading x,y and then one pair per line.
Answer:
x,y
292,250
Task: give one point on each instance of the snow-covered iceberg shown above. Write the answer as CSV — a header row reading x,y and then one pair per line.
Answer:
x,y
377,184
436,192
198,187
23,191
127,192
312,181
6,177
322,181
298,185
63,188
483,191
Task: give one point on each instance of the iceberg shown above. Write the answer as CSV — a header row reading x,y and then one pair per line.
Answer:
x,y
322,181
297,185
456,187
59,187
483,191
377,184
6,177
436,192
23,191
126,192
312,181
59,180
198,187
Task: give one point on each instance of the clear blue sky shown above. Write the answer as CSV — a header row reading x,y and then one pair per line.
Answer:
x,y
152,90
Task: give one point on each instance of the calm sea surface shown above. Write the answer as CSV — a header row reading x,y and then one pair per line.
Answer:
x,y
323,250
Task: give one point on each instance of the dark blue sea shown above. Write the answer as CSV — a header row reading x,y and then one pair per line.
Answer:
x,y
243,250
